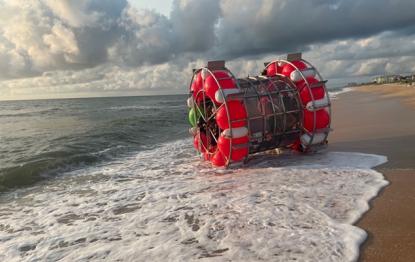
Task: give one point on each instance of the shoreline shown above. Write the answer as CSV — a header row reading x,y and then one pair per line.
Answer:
x,y
378,120
389,220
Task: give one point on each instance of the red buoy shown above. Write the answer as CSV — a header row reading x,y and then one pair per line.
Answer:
x,y
236,111
273,69
288,68
322,119
318,91
196,86
224,79
238,153
218,159
200,137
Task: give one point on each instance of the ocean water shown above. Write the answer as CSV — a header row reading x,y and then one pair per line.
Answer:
x,y
118,179
334,92
43,138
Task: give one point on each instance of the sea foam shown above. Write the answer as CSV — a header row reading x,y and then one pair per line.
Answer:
x,y
334,94
166,205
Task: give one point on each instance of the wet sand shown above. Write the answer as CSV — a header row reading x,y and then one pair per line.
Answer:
x,y
378,121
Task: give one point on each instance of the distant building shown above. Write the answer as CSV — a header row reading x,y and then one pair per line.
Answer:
x,y
379,79
387,79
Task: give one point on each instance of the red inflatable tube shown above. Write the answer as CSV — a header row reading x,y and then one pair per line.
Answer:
x,y
322,119
274,69
288,68
218,159
211,86
196,86
236,111
224,145
318,92
202,138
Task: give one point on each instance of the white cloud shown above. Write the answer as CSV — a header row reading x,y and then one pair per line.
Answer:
x,y
74,13
98,47
106,79
62,40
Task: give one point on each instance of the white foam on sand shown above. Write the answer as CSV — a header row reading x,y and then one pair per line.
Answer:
x,y
165,205
334,94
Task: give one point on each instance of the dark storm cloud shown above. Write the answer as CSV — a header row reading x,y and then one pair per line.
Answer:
x,y
79,34
151,38
193,23
100,45
257,27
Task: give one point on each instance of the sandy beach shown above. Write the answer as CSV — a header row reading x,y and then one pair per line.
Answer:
x,y
403,91
380,119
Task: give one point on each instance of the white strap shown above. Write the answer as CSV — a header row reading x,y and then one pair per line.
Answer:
x,y
219,97
236,132
308,72
318,104
317,139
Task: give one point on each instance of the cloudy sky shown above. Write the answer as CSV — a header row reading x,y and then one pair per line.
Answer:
x,y
79,48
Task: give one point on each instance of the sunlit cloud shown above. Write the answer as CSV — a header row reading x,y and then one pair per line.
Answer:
x,y
100,47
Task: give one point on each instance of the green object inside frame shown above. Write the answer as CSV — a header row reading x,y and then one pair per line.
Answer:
x,y
194,114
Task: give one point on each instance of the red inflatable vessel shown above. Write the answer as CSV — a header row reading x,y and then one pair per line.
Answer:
x,y
287,106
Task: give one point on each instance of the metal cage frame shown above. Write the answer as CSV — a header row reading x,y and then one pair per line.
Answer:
x,y
244,85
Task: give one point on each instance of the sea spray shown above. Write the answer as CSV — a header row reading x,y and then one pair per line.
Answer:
x,y
165,204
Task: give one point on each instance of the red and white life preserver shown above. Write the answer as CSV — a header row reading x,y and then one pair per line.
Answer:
x,y
231,147
196,86
232,144
313,97
233,140
237,115
274,68
216,81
